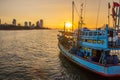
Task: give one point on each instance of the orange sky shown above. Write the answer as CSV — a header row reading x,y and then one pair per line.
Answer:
x,y
53,12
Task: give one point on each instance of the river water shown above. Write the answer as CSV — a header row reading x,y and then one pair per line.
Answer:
x,y
34,55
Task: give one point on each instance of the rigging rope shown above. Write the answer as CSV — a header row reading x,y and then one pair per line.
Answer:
x,y
77,10
84,10
75,7
98,13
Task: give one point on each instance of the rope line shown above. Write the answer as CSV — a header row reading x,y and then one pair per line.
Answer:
x,y
84,10
77,10
98,14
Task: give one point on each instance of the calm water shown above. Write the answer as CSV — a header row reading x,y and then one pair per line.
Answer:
x,y
34,55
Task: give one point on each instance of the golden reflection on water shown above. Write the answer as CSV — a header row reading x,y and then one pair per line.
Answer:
x,y
34,55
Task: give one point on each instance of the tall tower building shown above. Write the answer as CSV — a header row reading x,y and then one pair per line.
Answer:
x,y
0,21
30,24
26,24
37,24
14,22
41,23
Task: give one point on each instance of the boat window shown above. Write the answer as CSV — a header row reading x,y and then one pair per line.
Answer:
x,y
95,33
90,33
86,40
99,33
99,41
89,41
83,33
110,33
94,41
103,32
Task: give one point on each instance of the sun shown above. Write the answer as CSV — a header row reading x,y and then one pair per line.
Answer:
x,y
68,25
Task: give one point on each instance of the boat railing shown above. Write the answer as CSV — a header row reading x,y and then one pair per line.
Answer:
x,y
101,36
94,38
93,34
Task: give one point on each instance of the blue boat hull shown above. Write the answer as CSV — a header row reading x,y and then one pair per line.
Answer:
x,y
106,71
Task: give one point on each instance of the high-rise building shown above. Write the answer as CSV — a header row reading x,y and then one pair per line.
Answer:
x,y
26,24
37,24
41,23
30,24
0,21
14,22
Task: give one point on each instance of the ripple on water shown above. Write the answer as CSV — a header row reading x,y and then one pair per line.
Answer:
x,y
34,55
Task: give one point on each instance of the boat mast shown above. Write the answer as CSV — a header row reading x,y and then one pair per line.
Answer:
x,y
109,14
119,17
64,26
116,15
81,17
80,24
73,15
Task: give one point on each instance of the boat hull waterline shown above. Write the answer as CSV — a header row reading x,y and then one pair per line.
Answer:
x,y
105,71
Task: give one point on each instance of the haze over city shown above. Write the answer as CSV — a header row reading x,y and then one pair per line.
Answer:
x,y
53,12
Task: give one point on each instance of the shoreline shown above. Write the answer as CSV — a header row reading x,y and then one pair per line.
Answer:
x,y
22,29
12,27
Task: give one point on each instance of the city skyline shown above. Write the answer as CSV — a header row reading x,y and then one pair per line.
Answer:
x,y
28,25
53,12
14,22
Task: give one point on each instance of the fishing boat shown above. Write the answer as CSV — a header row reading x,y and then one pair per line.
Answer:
x,y
95,50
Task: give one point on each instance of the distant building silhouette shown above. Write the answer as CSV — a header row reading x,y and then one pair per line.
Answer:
x,y
41,23
19,24
37,24
26,24
14,22
33,25
0,21
30,24
5,23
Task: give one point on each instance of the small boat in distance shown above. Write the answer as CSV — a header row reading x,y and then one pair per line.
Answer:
x,y
95,50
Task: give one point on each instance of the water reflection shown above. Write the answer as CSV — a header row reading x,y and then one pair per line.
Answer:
x,y
34,55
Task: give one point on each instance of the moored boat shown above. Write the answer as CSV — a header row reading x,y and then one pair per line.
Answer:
x,y
95,50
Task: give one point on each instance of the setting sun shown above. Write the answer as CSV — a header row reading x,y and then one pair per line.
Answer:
x,y
68,25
